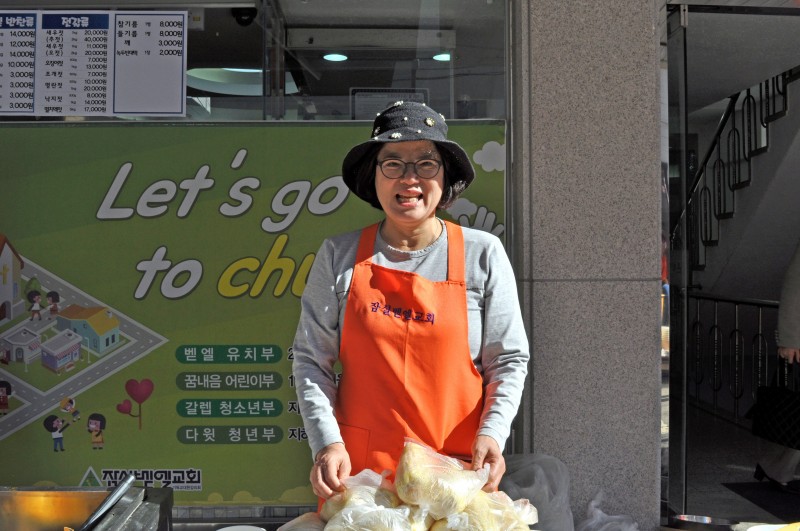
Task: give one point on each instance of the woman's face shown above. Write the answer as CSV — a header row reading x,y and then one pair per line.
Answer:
x,y
409,199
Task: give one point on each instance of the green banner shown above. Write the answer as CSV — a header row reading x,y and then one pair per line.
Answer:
x,y
150,277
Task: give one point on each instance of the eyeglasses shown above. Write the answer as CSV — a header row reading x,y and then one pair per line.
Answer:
x,y
396,168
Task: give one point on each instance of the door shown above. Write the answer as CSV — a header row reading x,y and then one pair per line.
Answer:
x,y
680,162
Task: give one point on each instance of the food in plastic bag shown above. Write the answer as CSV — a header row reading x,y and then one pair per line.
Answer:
x,y
517,514
491,512
376,518
304,522
420,518
370,518
436,482
365,488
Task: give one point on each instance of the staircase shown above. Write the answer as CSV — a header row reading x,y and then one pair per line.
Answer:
x,y
743,225
742,212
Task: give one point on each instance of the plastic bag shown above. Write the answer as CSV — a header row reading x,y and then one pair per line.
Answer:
x,y
370,518
365,488
304,522
420,518
435,482
544,481
491,512
597,520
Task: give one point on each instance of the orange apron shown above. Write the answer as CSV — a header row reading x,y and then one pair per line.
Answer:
x,y
406,364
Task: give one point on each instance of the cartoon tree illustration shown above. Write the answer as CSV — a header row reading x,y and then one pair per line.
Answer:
x,y
139,391
32,284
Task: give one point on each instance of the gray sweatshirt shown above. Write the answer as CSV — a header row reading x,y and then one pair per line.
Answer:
x,y
497,339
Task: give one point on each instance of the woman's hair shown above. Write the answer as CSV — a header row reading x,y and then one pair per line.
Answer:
x,y
50,423
365,179
100,418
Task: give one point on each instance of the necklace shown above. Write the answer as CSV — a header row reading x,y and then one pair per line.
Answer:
x,y
405,246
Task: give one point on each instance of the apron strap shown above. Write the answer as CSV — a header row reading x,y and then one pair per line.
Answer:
x,y
455,252
366,244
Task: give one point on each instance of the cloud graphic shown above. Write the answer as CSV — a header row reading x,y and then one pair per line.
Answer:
x,y
463,209
492,157
244,496
241,496
302,494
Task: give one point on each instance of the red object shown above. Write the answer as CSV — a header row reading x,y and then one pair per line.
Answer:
x,y
124,407
139,391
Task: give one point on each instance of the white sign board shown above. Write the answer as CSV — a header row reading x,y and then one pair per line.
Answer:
x,y
92,63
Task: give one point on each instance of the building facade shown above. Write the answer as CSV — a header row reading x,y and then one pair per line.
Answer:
x,y
584,225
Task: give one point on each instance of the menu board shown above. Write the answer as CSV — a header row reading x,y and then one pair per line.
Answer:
x,y
93,63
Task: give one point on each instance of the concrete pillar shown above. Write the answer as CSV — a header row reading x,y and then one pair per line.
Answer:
x,y
586,205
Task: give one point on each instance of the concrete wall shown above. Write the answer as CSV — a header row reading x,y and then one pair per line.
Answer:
x,y
587,209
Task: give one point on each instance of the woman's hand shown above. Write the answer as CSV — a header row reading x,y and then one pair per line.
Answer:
x,y
789,354
485,450
331,466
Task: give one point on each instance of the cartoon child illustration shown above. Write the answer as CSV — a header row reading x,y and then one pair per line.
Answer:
x,y
5,392
95,426
53,298
35,298
67,405
56,426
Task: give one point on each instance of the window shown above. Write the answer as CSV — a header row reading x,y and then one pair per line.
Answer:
x,y
277,60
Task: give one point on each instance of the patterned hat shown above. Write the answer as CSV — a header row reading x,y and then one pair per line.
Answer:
x,y
401,122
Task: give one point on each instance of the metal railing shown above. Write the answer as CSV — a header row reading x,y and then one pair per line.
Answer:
x,y
742,133
732,351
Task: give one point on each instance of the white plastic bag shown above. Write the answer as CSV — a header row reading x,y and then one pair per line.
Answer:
x,y
435,482
491,512
370,518
544,481
365,488
597,520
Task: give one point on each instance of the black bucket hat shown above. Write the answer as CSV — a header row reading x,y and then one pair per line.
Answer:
x,y
401,122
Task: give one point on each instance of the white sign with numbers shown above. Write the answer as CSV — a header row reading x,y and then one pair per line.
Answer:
x,y
92,63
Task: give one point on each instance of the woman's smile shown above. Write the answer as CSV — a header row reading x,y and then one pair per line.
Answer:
x,y
409,198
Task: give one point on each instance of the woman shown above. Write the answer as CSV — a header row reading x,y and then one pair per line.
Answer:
x,y
423,316
777,463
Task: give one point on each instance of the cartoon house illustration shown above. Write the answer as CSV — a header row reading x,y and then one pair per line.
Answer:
x,y
10,281
98,326
62,351
22,346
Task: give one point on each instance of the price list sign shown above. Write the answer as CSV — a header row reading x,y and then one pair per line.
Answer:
x,y
150,62
92,63
72,75
17,62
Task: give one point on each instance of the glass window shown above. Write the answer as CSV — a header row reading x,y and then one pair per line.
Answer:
x,y
337,59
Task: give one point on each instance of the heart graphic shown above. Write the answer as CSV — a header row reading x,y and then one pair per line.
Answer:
x,y
124,407
139,391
